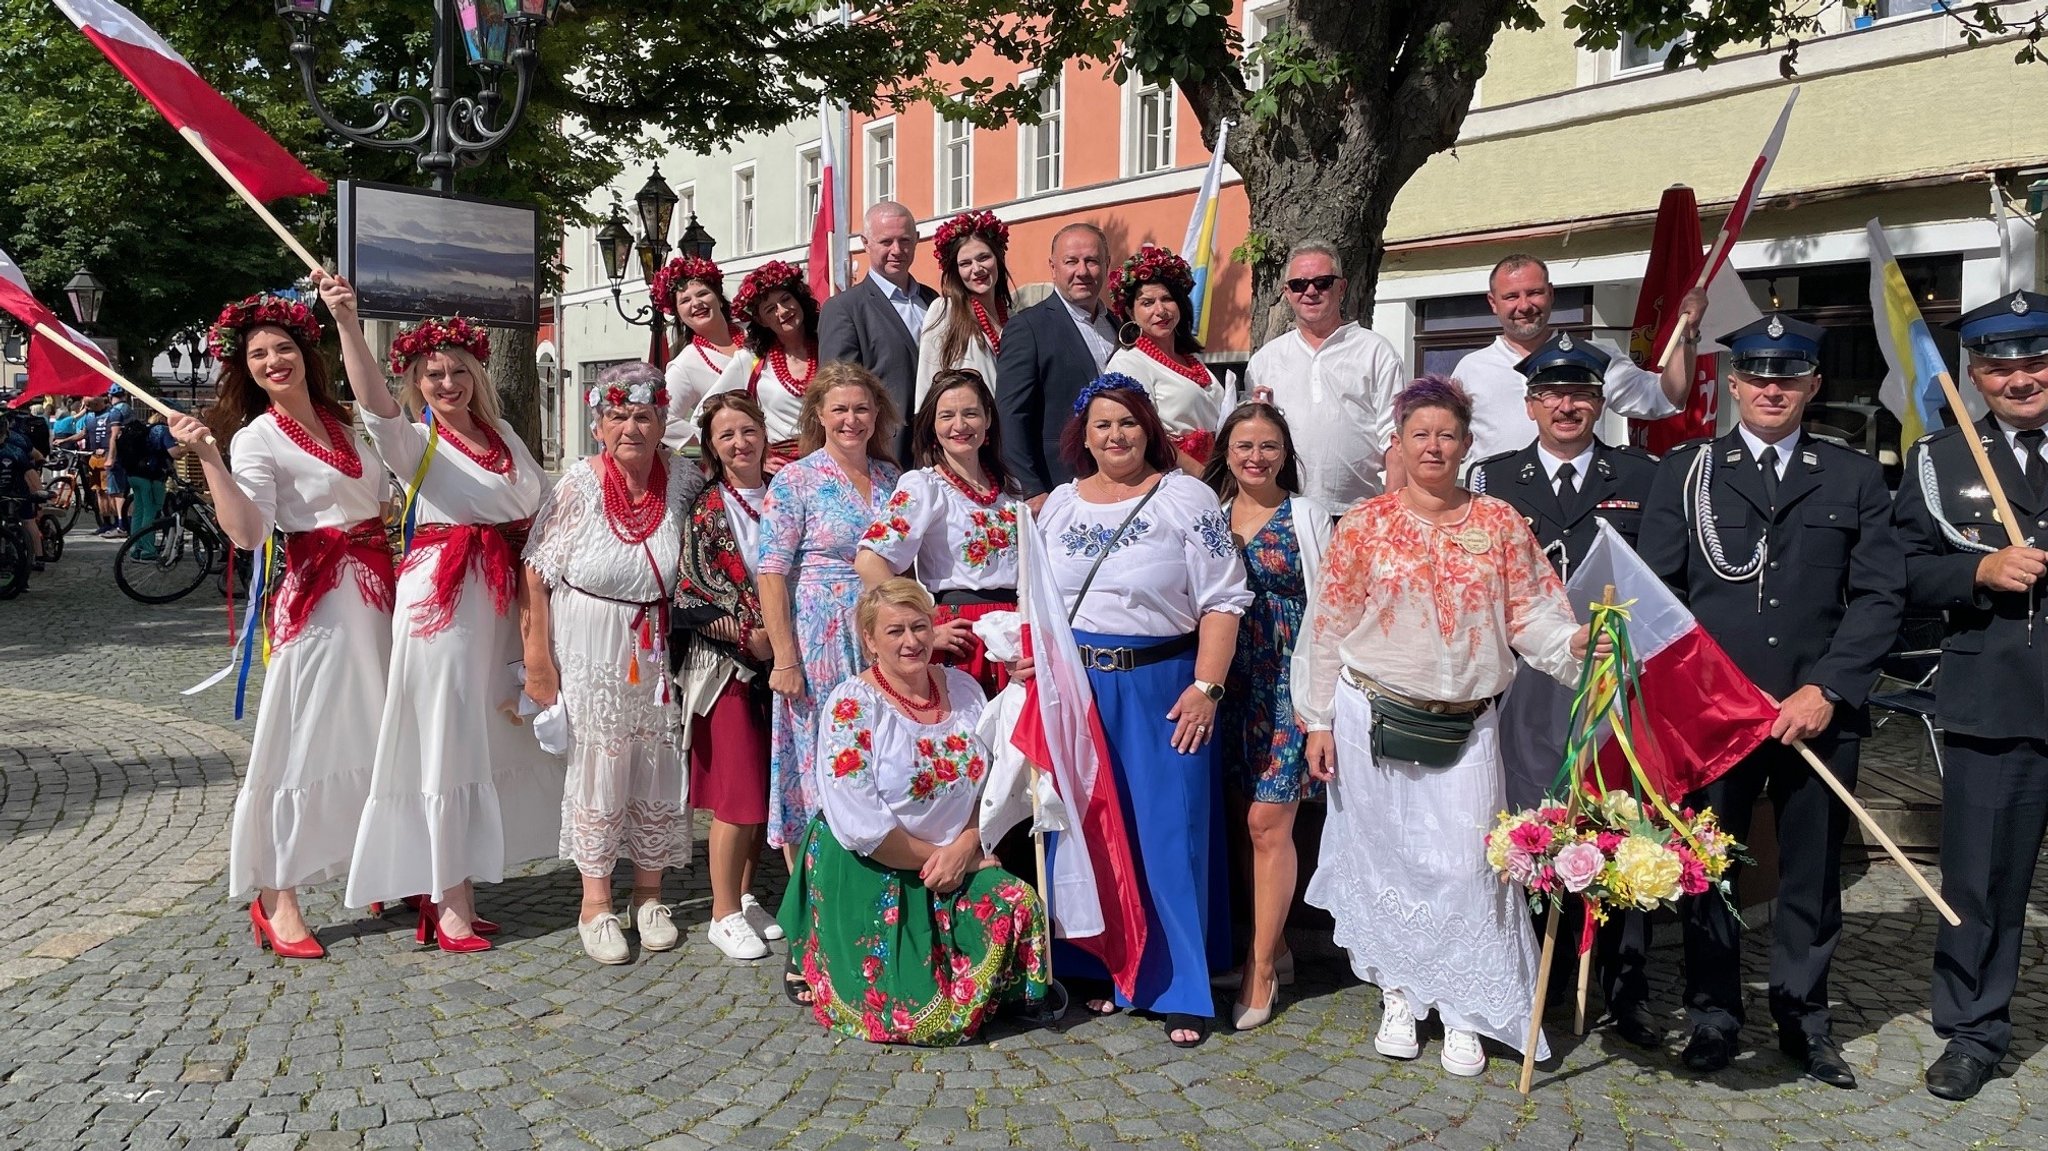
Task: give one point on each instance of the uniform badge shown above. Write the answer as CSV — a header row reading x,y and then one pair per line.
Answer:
x,y
1974,534
1775,329
1600,465
1976,492
1734,456
1619,505
1564,341
2018,305
1809,459
1528,472
1474,540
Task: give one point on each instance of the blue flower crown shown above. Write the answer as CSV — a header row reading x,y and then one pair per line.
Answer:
x,y
1106,382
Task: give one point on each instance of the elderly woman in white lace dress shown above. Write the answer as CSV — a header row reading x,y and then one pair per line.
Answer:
x,y
601,569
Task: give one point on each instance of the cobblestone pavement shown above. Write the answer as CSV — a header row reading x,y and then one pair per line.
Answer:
x,y
136,1012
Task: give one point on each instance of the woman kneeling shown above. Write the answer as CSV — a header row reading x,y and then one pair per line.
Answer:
x,y
904,931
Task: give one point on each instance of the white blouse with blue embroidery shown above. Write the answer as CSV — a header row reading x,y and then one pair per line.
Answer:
x,y
1172,565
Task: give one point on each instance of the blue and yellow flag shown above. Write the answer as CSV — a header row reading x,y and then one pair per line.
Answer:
x,y
1200,245
1912,386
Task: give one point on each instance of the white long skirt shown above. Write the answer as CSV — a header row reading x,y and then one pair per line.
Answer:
x,y
461,790
1403,871
626,793
310,759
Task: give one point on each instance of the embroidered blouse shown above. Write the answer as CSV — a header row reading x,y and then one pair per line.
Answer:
x,y
1174,563
955,542
879,771
1184,406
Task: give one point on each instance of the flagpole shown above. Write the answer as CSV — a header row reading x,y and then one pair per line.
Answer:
x,y
198,143
1870,826
1985,472
98,365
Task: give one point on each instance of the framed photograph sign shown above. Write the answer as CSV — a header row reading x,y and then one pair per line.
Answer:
x,y
412,254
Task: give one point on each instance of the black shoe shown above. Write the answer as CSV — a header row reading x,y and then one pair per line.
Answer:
x,y
1956,1076
1820,1057
1634,1025
1709,1050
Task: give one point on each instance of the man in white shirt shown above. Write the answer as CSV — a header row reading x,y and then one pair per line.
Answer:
x,y
876,322
1519,293
1335,381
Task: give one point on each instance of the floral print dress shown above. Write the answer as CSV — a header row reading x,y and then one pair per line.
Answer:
x,y
1264,747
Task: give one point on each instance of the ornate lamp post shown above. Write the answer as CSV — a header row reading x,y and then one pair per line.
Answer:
x,y
654,208
86,293
445,131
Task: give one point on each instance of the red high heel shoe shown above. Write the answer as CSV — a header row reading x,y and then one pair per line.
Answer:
x,y
266,936
479,925
428,931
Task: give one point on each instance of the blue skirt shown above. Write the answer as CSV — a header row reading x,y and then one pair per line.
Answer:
x,y
1172,806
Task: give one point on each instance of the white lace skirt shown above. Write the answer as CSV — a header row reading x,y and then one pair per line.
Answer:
x,y
626,795
1403,871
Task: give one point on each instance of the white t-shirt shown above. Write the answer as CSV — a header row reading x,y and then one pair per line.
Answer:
x,y
1173,564
1500,421
746,524
955,542
1339,404
692,373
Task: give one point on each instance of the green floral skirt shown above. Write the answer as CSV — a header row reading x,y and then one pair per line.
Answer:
x,y
890,961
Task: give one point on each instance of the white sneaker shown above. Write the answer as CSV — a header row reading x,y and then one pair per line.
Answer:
x,y
1462,1054
604,938
1396,1039
764,924
656,925
732,936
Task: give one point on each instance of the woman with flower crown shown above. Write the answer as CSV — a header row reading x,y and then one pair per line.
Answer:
x,y
692,289
460,790
601,567
780,358
1150,296
964,327
300,469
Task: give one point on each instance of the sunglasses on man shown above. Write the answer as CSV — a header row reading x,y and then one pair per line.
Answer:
x,y
1301,284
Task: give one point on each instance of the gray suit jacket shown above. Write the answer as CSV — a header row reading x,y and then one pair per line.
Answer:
x,y
860,325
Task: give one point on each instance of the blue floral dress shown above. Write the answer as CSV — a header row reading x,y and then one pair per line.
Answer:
x,y
1264,747
811,526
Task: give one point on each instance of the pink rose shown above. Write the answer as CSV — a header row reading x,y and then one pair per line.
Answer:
x,y
1692,874
1533,838
1520,865
1578,865
1551,814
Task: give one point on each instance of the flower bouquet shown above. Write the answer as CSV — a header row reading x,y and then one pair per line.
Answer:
x,y
1613,851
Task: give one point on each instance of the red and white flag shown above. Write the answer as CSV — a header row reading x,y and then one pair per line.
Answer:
x,y
187,101
52,371
1095,896
827,254
1752,190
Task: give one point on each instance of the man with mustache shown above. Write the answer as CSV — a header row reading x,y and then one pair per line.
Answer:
x,y
1520,295
1782,546
1993,702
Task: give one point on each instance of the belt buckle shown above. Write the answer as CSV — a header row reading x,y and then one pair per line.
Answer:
x,y
1105,658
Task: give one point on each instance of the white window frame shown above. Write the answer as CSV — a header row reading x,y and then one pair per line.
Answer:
x,y
872,131
1621,66
1258,21
746,209
810,188
941,177
596,253
1135,92
686,205
1030,135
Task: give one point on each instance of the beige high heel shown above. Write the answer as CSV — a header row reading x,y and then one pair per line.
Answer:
x,y
1245,1018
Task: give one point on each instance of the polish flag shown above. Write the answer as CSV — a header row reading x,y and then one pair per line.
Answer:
x,y
823,262
187,101
1095,898
52,371
1698,715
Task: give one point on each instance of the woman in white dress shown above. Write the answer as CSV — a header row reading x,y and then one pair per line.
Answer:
x,y
964,327
692,289
461,789
780,358
601,567
1427,595
299,468
1150,294
955,520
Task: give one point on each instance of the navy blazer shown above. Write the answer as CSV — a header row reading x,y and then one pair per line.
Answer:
x,y
1042,367
860,325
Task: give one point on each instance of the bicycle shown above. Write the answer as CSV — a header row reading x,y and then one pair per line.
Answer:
x,y
184,546
64,482
17,558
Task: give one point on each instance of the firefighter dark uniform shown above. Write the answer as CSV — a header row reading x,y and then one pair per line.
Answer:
x,y
1796,572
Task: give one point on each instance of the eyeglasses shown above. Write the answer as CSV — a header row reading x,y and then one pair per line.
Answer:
x,y
1301,284
1558,399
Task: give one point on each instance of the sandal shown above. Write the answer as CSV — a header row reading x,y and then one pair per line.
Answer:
x,y
1180,1022
795,986
1097,997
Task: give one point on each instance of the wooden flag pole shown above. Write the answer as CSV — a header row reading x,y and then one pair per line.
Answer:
x,y
290,241
1870,826
1671,341
1585,981
96,364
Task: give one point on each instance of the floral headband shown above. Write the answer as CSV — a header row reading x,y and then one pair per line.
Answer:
x,y
619,395
1151,265
984,224
680,271
765,279
224,339
433,335
1102,384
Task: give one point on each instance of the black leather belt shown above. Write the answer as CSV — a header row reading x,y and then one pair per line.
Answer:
x,y
968,597
1132,658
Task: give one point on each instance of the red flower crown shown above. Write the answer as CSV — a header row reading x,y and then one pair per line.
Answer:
x,y
433,335
993,232
764,279
224,339
1151,265
679,271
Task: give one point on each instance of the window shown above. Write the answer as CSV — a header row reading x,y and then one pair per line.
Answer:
x,y
1259,24
743,209
1039,167
810,166
956,165
594,265
686,206
1886,9
881,161
1636,53
1150,129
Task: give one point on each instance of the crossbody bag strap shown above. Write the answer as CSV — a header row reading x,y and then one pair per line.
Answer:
x,y
1109,547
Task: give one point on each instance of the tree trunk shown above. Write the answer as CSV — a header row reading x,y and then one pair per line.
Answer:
x,y
518,383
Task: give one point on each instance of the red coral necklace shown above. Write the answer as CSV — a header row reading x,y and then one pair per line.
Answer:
x,y
992,332
732,495
778,361
932,706
341,457
496,457
633,520
983,499
1195,371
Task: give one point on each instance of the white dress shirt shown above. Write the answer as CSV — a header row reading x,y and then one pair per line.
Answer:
x,y
1096,332
1339,404
907,306
1581,464
1786,447
2012,442
1500,421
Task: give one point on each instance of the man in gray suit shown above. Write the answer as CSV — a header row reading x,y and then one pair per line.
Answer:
x,y
876,322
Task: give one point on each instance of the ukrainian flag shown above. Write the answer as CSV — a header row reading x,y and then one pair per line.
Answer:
x,y
1197,249
1912,386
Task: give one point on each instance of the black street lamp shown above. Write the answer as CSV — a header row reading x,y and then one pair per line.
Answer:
x,y
445,131
654,206
695,240
85,292
193,349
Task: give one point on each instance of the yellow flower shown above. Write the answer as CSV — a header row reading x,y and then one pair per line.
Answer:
x,y
1620,807
1497,843
1649,872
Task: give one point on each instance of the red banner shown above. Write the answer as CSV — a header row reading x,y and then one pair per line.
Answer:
x,y
1675,259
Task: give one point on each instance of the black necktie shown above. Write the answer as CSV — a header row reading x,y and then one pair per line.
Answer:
x,y
2037,468
1567,482
1768,463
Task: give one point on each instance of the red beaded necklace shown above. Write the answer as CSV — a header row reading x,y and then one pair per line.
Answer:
x,y
633,520
341,457
733,496
1193,371
779,361
933,705
984,499
993,333
496,458
704,348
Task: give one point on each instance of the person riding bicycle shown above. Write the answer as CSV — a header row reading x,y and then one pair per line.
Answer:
x,y
19,463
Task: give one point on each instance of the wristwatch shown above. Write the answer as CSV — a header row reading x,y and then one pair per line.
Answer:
x,y
1213,690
